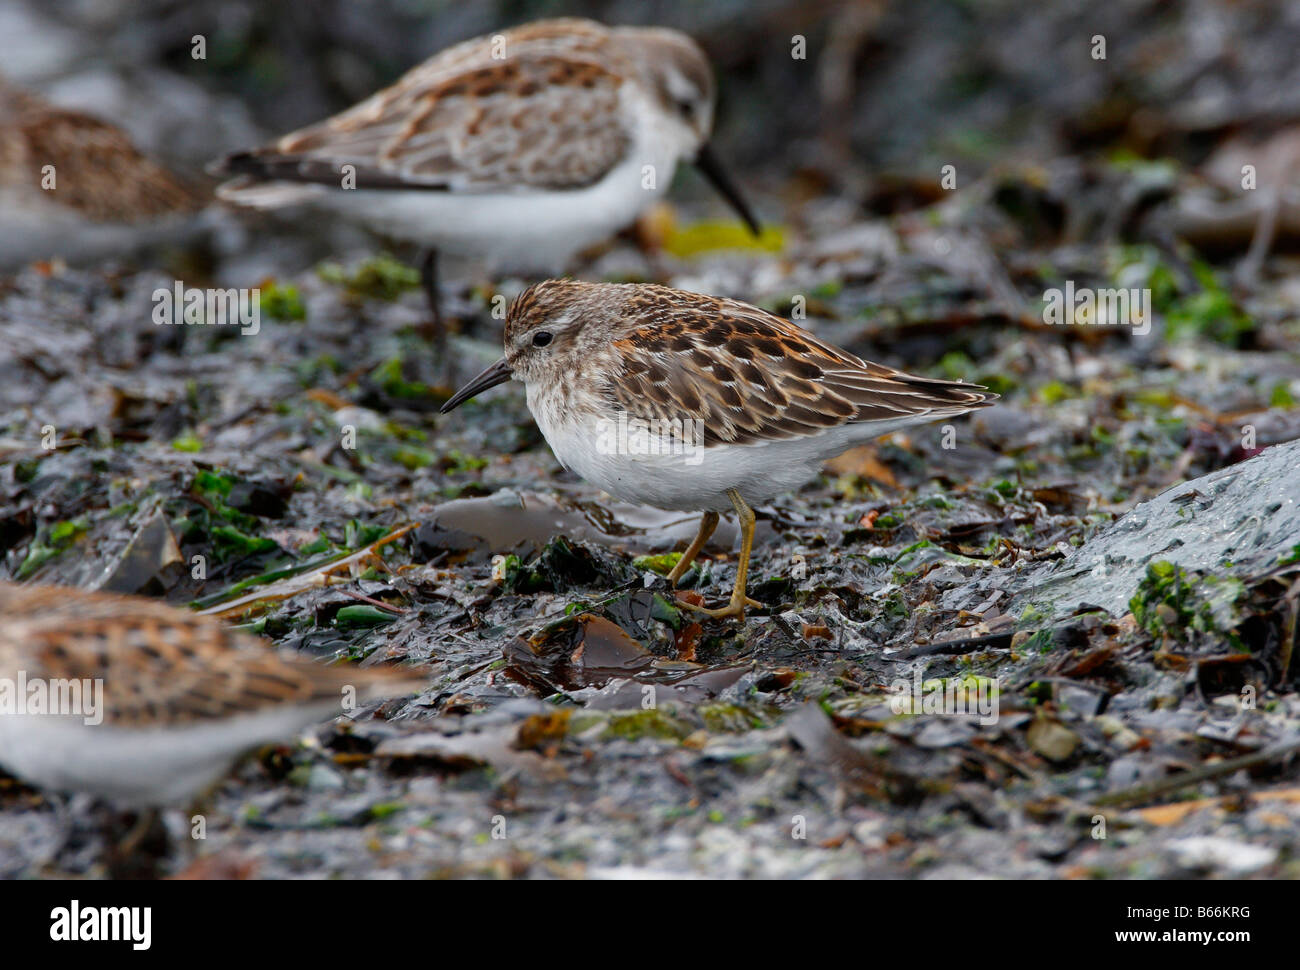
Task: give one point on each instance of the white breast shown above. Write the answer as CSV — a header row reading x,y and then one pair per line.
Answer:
x,y
139,767
668,476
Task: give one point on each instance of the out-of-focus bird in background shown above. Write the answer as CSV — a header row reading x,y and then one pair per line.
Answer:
x,y
523,147
75,188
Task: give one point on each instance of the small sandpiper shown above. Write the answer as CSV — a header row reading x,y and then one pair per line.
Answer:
x,y
146,705
525,147
684,401
74,187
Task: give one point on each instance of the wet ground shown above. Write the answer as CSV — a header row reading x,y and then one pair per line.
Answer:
x,y
1139,715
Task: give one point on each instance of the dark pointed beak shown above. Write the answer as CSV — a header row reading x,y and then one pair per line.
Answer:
x,y
498,373
707,162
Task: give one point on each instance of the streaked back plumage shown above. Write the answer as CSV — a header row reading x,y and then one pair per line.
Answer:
x,y
748,375
162,665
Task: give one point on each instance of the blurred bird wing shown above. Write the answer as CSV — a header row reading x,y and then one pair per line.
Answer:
x,y
162,666
101,173
543,117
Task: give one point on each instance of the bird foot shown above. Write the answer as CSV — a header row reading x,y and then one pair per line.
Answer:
x,y
736,608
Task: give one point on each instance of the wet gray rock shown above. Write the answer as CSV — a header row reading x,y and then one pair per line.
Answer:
x,y
1240,520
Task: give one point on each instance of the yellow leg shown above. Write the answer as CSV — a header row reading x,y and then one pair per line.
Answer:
x,y
736,607
126,859
707,525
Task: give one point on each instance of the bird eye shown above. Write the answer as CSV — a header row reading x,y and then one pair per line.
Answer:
x,y
541,338
686,108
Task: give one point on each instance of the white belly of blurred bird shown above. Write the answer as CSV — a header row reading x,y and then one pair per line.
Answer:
x,y
139,767
519,230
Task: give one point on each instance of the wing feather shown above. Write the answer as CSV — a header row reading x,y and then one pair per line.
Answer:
x,y
160,664
752,377
540,119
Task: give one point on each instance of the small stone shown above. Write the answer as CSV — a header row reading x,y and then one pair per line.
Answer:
x,y
1053,740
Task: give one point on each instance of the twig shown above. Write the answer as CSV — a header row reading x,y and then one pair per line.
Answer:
x,y
990,641
1145,792
278,592
379,604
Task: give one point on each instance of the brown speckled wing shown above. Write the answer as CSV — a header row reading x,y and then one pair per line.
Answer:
x,y
752,377
100,173
546,116
161,665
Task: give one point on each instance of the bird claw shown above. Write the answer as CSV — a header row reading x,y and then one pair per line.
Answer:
x,y
735,608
